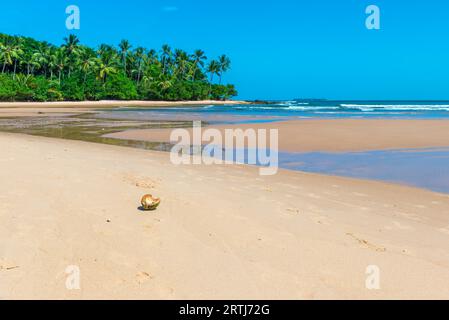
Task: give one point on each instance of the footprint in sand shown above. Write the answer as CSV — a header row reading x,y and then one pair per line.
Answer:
x,y
7,266
367,244
140,182
293,211
143,277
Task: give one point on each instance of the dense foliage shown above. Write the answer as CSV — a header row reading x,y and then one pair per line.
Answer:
x,y
38,71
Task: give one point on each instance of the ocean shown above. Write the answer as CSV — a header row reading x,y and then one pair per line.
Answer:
x,y
294,109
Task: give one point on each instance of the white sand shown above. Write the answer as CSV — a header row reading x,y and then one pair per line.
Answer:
x,y
221,232
112,103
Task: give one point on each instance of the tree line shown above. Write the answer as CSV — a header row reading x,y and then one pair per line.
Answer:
x,y
34,70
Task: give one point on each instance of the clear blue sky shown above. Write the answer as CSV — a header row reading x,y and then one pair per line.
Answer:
x,y
280,49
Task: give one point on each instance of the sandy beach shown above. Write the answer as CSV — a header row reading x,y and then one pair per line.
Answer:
x,y
335,135
67,108
133,168
113,104
302,236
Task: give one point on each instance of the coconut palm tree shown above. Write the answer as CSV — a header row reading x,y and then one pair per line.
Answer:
x,y
140,62
124,47
182,63
166,57
71,44
198,57
52,61
152,72
71,47
108,54
40,58
6,55
213,68
104,69
86,63
225,65
152,57
61,62
37,62
165,84
16,56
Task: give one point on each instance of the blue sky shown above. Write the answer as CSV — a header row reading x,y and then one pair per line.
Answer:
x,y
281,49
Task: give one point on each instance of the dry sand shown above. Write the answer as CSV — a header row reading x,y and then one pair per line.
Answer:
x,y
112,104
332,135
222,232
41,112
66,108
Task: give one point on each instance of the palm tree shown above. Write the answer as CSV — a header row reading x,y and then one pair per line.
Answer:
x,y
52,61
71,44
140,61
166,57
182,63
61,62
165,84
37,62
6,55
71,50
85,63
104,49
213,68
124,47
107,54
17,54
147,79
225,65
152,57
198,61
104,69
152,72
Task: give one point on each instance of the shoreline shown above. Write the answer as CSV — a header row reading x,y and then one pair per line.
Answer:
x,y
291,241
336,135
115,103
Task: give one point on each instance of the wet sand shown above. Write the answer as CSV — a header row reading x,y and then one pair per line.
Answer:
x,y
332,135
221,232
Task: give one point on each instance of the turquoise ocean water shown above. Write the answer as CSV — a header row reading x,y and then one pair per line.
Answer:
x,y
297,109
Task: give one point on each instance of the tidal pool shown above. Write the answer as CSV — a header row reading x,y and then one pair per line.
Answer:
x,y
424,168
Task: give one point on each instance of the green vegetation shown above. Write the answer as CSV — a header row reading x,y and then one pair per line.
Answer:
x,y
38,71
